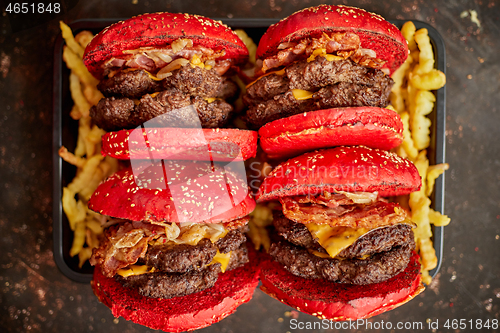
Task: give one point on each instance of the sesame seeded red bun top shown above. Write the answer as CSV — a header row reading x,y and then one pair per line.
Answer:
x,y
175,191
159,30
368,126
337,301
374,31
350,169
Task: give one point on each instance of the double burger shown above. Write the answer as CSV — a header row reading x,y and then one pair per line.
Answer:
x,y
173,255
166,70
329,67
340,249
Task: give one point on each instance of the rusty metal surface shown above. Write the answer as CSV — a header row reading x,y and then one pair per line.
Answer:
x,y
36,296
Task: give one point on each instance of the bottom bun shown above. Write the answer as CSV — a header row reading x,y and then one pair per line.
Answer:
x,y
336,301
179,314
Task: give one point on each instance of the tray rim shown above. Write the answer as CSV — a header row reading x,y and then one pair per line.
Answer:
x,y
96,23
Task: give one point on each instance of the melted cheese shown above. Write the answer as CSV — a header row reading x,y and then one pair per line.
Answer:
x,y
135,270
210,99
335,239
300,94
222,259
280,72
322,53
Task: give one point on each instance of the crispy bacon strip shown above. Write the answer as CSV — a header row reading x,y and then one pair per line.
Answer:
x,y
123,245
339,210
127,241
343,44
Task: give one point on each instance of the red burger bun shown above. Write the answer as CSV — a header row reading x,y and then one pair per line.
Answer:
x,y
375,32
351,126
207,144
197,185
185,313
159,30
350,169
336,301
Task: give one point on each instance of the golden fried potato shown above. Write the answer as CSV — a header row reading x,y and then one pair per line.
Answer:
x,y
70,40
433,172
408,32
432,80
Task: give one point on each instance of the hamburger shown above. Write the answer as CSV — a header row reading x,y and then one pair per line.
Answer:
x,y
162,71
334,59
173,255
341,250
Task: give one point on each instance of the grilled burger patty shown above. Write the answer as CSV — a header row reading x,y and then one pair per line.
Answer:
x,y
377,268
113,114
189,80
120,109
379,240
168,285
183,257
340,83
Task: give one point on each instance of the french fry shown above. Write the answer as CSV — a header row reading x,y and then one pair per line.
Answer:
x,y
91,239
432,80
92,94
76,93
427,254
95,134
83,38
408,32
419,124
70,40
93,168
85,177
84,255
412,97
426,55
438,219
75,211
433,172
93,225
71,158
91,186
76,65
249,43
408,144
75,113
420,207
399,77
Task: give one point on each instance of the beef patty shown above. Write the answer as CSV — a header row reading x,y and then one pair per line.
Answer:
x,y
189,80
184,257
334,83
204,90
377,268
378,240
169,108
167,285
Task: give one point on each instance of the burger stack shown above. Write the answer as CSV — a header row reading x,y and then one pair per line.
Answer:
x,y
173,254
340,249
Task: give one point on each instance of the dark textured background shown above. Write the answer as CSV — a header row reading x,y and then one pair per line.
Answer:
x,y
35,296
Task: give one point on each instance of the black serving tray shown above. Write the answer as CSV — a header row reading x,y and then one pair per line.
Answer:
x,y
66,129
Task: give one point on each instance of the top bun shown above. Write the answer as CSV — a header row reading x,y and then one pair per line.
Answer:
x,y
159,30
374,31
349,169
174,191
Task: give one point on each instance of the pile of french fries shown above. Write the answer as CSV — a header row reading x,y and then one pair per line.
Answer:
x,y
412,98
91,166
